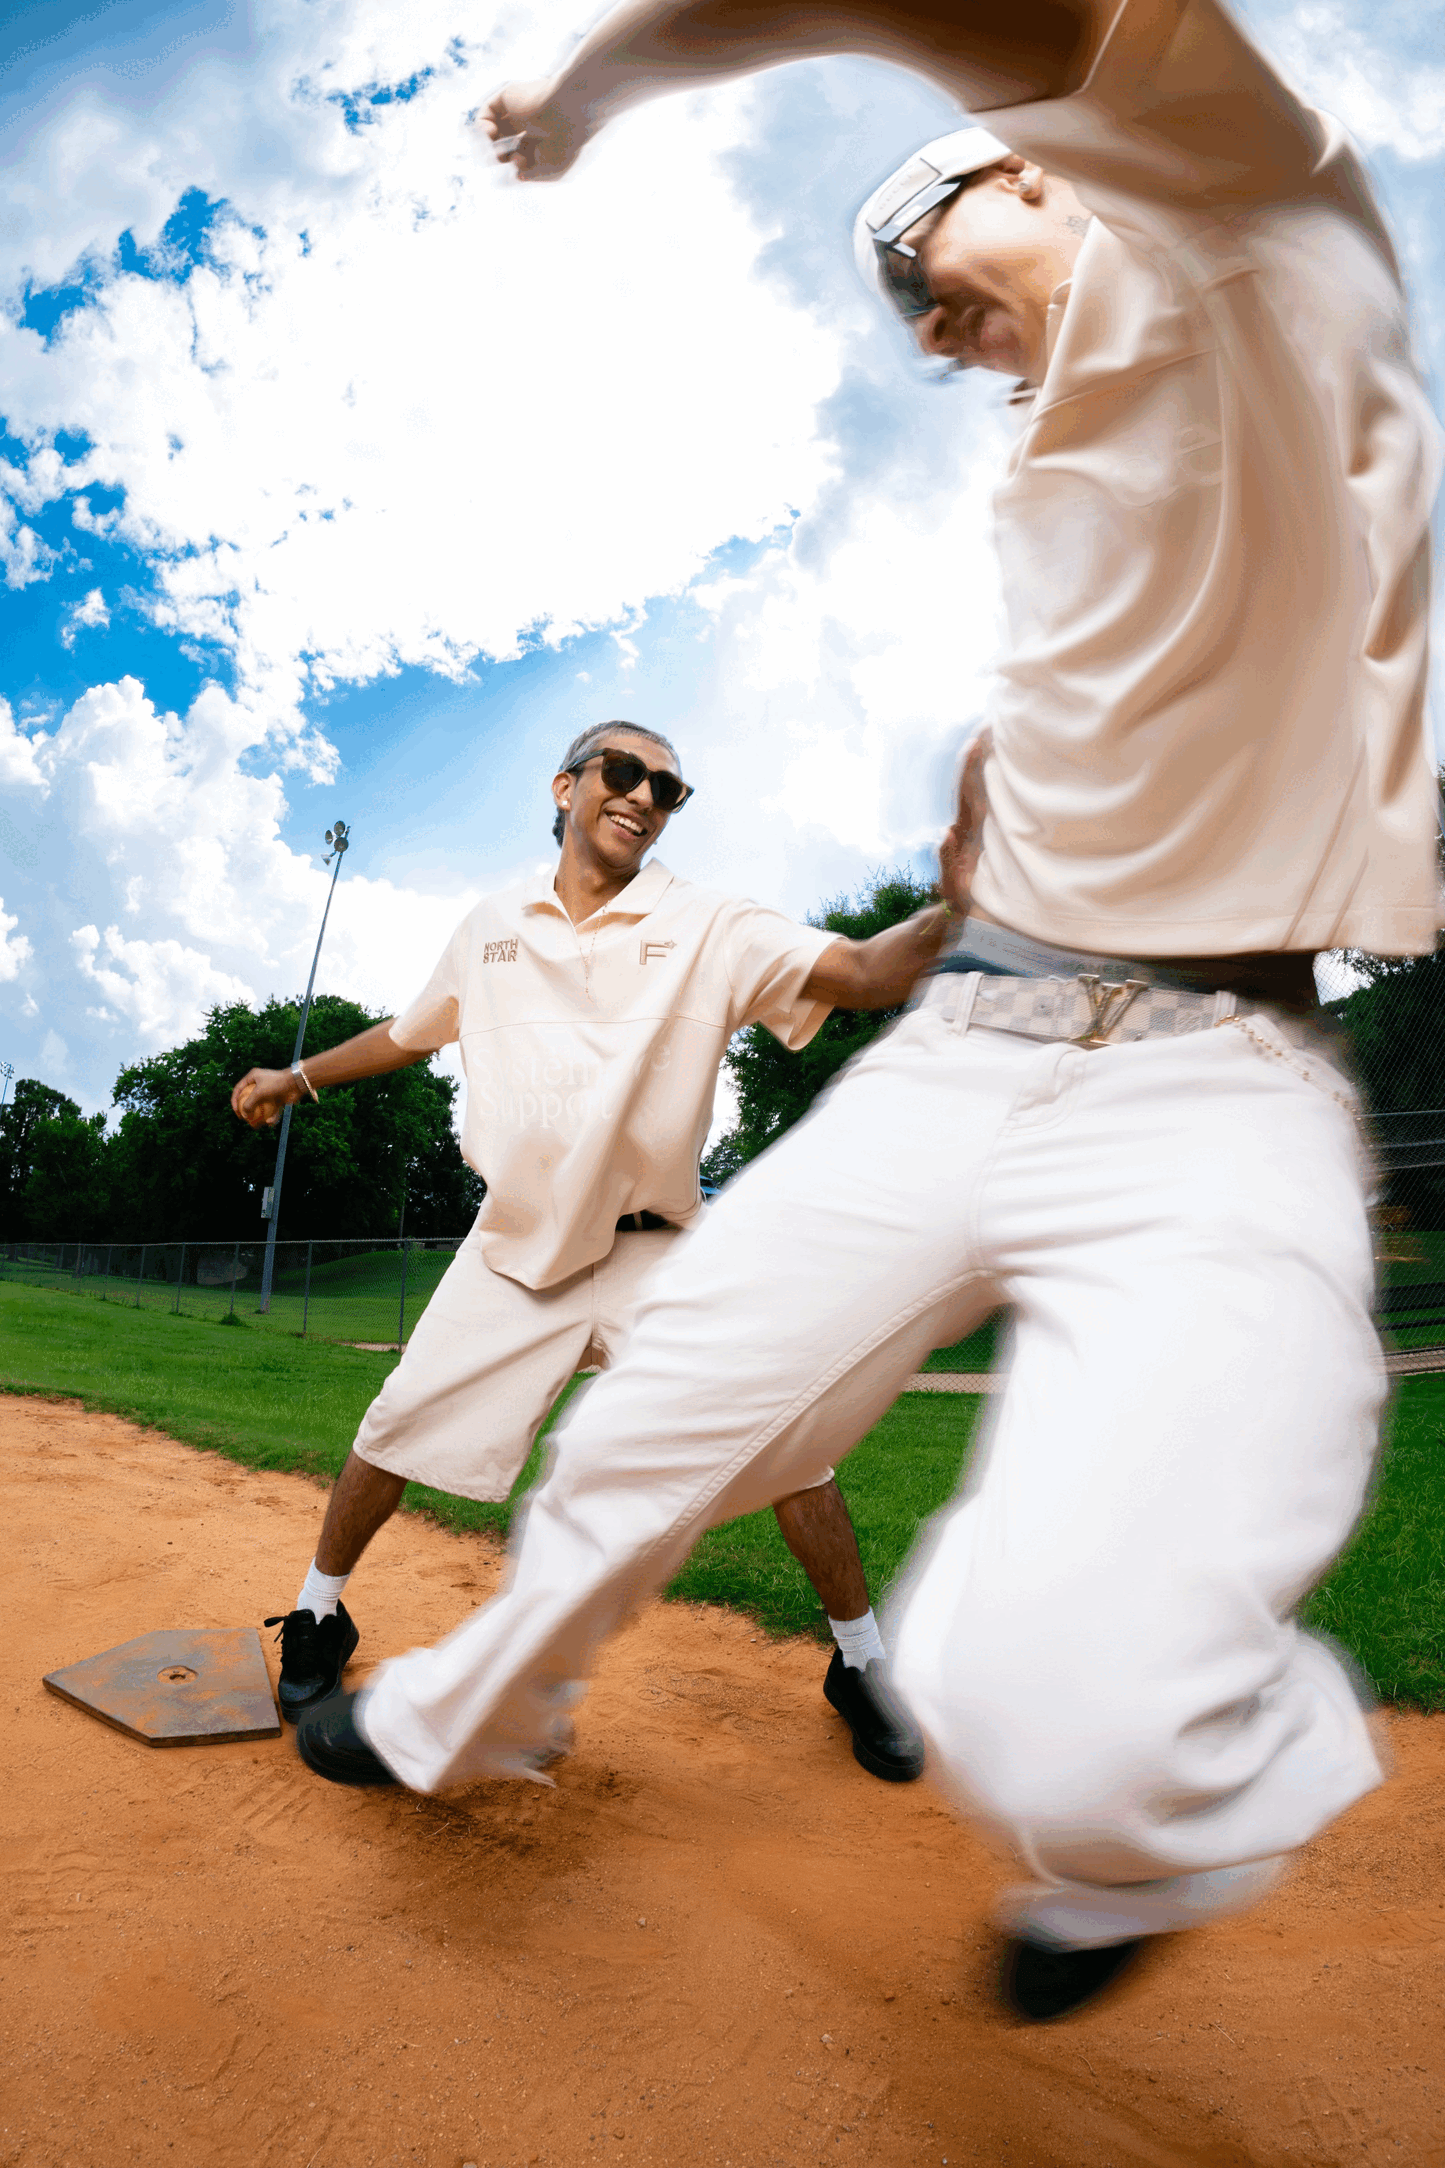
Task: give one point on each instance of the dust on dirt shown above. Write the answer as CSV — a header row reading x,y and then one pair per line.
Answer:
x,y
717,1942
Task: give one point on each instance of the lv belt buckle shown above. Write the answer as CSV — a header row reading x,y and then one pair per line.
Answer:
x,y
1107,1003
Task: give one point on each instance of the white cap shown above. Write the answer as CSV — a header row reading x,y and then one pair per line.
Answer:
x,y
947,158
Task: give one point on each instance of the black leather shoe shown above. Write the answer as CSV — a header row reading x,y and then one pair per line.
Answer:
x,y
1041,1981
885,1740
328,1742
314,1653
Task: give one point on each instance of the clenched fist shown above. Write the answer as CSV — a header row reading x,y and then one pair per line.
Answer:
x,y
534,132
261,1095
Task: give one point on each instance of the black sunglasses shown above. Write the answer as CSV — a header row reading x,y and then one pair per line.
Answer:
x,y
902,273
623,772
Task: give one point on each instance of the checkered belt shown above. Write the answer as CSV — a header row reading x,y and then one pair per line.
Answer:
x,y
1087,1009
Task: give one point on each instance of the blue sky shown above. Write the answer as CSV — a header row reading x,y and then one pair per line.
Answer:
x,y
342,477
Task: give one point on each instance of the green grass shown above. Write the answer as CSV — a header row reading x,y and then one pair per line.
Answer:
x,y
274,1402
352,1297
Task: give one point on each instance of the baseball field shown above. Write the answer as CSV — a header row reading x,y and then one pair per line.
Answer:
x,y
716,1941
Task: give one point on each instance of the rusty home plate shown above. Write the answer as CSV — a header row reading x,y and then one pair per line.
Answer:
x,y
172,1688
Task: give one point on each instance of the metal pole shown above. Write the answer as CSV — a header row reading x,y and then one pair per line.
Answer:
x,y
339,838
306,1294
401,1313
235,1275
180,1280
140,1275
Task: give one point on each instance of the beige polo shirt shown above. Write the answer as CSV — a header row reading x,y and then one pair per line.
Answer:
x,y
591,1052
1210,730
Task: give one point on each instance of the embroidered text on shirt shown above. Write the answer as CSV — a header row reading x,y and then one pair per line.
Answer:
x,y
500,952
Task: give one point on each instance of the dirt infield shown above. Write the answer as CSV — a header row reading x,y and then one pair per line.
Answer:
x,y
716,1943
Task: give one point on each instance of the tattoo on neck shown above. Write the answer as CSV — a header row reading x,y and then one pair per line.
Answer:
x,y
1078,225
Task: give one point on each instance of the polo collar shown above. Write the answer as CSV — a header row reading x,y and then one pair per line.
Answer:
x,y
642,894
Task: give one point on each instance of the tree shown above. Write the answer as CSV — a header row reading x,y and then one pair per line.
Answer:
x,y
185,1167
1395,1028
776,1088
54,1171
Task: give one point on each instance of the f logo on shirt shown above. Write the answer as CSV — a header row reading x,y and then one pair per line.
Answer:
x,y
649,949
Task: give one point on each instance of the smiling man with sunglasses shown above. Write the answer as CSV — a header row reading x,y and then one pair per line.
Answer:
x,y
593,1008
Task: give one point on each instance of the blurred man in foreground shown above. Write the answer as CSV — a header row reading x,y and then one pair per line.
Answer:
x,y
1112,1108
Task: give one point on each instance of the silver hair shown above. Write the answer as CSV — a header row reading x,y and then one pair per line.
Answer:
x,y
591,741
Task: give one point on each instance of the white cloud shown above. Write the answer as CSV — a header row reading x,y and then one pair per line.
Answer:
x,y
90,613
399,414
13,951
163,826
1387,98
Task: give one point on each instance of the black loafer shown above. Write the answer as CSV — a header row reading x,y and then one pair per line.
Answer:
x,y
885,1740
328,1742
314,1653
1041,1981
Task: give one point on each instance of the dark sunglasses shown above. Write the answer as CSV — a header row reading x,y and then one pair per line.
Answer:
x,y
902,273
623,772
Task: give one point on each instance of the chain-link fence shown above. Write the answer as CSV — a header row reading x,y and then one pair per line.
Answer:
x,y
369,1294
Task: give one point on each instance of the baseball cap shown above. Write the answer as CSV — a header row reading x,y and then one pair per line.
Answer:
x,y
924,181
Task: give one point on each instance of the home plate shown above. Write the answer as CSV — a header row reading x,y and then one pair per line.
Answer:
x,y
170,1689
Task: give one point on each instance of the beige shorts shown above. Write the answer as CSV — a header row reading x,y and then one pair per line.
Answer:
x,y
487,1360
489,1357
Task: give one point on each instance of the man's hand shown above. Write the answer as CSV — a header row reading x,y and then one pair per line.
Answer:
x,y
261,1095
958,854
534,131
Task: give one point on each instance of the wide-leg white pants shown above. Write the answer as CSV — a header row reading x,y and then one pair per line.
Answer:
x,y
1097,1637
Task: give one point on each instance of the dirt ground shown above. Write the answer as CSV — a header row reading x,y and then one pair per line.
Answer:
x,y
716,1943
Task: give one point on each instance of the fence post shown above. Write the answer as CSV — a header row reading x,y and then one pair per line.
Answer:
x,y
306,1294
79,1258
235,1275
141,1274
180,1278
109,1253
401,1313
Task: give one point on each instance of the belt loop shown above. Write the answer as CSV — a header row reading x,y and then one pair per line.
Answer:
x,y
1226,1003
962,1016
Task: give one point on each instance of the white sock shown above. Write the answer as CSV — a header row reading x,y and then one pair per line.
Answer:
x,y
320,1592
858,1638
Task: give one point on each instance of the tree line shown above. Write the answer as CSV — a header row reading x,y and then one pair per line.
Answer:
x,y
178,1166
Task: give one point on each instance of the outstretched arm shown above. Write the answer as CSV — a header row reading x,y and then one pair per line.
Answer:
x,y
262,1093
878,973
986,53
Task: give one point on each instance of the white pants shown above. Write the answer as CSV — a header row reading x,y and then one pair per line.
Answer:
x,y
1097,1637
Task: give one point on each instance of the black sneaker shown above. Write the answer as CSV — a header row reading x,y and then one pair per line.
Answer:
x,y
1041,1980
885,1739
314,1653
329,1741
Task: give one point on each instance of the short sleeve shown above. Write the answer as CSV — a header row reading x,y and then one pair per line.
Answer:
x,y
1182,118
770,958
432,1020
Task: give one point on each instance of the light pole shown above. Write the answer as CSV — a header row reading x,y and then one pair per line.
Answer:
x,y
7,1071
339,839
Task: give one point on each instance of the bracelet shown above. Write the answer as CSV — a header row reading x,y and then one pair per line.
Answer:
x,y
297,1070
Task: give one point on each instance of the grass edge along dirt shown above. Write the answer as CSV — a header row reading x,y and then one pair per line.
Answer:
x,y
271,1402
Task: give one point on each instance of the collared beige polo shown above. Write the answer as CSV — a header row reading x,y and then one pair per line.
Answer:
x,y
1210,735
591,1052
